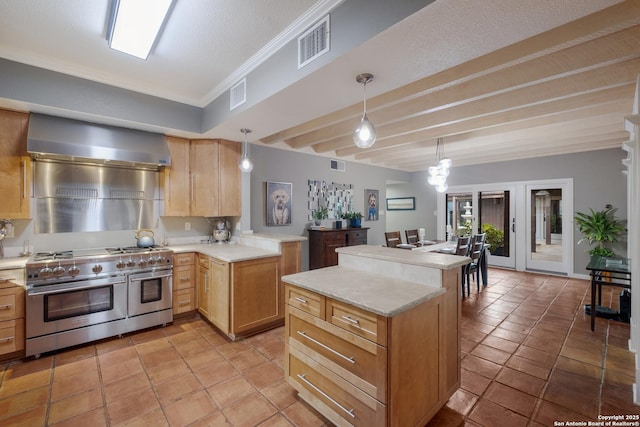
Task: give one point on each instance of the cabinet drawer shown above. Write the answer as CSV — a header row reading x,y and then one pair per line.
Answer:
x,y
11,303
359,361
335,237
184,300
306,301
360,322
203,261
184,259
321,387
183,277
357,238
11,336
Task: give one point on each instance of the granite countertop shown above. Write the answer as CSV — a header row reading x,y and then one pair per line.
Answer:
x,y
372,292
405,256
228,252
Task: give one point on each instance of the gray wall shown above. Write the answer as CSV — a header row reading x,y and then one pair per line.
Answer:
x,y
597,181
423,216
272,164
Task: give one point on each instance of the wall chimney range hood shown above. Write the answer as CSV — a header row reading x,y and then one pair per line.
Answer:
x,y
69,140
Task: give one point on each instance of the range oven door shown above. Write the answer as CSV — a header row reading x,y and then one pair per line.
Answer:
x,y
72,305
150,292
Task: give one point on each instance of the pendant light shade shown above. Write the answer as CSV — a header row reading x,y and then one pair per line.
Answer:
x,y
438,173
245,164
364,136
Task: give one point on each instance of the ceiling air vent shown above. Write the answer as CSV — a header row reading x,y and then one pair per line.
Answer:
x,y
238,94
314,42
337,165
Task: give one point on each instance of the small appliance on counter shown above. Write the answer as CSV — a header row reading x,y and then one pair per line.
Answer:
x,y
221,233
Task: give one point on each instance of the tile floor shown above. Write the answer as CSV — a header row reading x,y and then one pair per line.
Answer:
x,y
529,359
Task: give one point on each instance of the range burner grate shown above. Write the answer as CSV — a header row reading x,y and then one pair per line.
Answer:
x,y
131,250
52,256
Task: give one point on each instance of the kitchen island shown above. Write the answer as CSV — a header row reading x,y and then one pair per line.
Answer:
x,y
375,340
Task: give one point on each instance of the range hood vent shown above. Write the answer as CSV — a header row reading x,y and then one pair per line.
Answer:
x,y
69,140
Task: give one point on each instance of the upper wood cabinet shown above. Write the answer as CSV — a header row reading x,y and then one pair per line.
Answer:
x,y
203,179
15,165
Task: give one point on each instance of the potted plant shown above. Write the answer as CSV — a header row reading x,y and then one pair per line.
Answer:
x,y
319,215
495,238
601,227
355,219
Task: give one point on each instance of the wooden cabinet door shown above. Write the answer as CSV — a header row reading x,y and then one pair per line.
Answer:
x,y
177,182
14,165
230,182
203,288
330,246
205,172
255,293
219,298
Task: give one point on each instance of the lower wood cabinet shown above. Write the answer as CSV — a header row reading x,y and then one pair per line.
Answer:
x,y
12,336
184,283
359,368
240,298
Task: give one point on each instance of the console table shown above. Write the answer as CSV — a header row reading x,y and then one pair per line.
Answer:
x,y
323,244
607,272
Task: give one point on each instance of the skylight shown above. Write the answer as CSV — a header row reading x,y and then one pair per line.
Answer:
x,y
135,25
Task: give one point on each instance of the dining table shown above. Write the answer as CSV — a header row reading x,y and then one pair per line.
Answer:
x,y
449,247
606,271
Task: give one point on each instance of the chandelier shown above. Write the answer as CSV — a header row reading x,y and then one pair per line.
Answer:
x,y
440,171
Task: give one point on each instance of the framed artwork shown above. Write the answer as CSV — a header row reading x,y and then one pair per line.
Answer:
x,y
371,205
401,204
278,206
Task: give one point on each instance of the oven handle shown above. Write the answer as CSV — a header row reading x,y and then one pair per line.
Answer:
x,y
151,275
54,289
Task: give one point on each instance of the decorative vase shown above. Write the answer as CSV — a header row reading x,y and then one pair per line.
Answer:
x,y
355,222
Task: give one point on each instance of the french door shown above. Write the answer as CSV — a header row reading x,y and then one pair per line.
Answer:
x,y
486,209
528,224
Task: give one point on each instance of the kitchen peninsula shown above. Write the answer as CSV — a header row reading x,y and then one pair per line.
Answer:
x,y
375,340
237,285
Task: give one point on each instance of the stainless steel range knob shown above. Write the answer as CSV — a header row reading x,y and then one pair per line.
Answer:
x,y
152,260
73,271
120,265
142,262
96,268
46,272
131,263
58,271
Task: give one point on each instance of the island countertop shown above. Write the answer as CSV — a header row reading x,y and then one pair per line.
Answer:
x,y
403,256
372,292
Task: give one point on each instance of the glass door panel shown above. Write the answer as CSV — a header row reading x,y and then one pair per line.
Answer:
x,y
496,220
459,215
546,242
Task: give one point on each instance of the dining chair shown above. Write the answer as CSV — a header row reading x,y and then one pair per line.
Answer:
x,y
476,252
393,238
462,249
412,236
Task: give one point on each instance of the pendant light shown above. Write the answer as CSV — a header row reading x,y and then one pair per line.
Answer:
x,y
245,164
438,174
365,134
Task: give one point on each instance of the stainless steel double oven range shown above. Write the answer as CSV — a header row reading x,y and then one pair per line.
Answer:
x,y
79,296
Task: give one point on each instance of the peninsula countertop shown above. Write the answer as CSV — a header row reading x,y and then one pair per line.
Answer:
x,y
228,252
372,292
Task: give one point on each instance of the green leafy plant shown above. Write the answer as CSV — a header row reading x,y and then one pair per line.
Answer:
x,y
352,215
601,227
494,237
320,214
